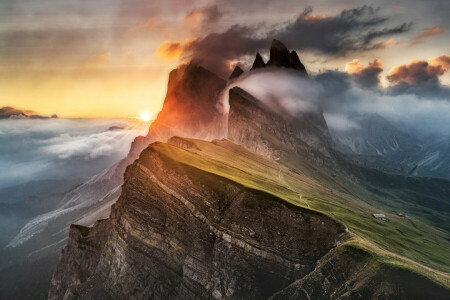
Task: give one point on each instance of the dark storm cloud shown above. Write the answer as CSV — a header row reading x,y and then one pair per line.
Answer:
x,y
351,30
217,50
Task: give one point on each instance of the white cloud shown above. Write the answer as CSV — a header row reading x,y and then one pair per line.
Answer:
x,y
58,148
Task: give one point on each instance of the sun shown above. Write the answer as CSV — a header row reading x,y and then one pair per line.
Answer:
x,y
145,117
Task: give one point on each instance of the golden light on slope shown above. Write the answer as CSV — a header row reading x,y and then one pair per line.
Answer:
x,y
145,117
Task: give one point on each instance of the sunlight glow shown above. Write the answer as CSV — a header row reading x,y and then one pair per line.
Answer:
x,y
145,117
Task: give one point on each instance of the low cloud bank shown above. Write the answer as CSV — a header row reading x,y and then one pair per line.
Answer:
x,y
344,98
33,149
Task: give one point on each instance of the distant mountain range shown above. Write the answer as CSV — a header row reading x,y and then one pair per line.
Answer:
x,y
9,112
381,144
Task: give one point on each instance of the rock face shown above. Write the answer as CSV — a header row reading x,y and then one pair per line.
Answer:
x,y
261,130
258,62
178,232
348,274
280,57
236,73
295,63
81,256
191,107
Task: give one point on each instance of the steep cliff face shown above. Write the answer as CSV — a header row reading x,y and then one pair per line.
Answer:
x,y
261,130
80,257
350,273
191,107
178,232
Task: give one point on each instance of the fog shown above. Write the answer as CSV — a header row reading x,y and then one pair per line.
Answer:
x,y
343,101
62,148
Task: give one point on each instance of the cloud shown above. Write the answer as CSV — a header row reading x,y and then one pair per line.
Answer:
x,y
415,72
426,33
421,77
168,50
149,24
60,148
204,16
343,100
216,50
443,61
351,30
285,91
95,60
340,122
368,77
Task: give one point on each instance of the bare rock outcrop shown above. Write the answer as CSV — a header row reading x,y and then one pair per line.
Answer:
x,y
258,128
237,71
258,62
178,232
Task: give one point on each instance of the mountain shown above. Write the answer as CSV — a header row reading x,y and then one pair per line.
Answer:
x,y
375,136
214,220
237,71
257,203
258,62
254,125
191,108
273,211
380,144
183,232
8,112
432,160
280,57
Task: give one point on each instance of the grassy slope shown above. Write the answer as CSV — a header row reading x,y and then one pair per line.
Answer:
x,y
399,242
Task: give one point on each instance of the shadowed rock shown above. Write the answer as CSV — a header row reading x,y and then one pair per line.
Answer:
x,y
279,55
295,63
236,73
179,232
259,62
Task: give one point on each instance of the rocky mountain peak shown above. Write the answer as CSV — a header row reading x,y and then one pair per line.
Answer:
x,y
259,62
295,63
191,104
236,73
279,55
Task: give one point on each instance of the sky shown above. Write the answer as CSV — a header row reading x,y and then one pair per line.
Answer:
x,y
111,58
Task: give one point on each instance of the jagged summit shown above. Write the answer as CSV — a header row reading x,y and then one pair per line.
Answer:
x,y
295,63
259,62
280,57
236,73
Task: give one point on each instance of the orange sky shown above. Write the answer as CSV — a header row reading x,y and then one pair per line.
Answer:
x,y
111,58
